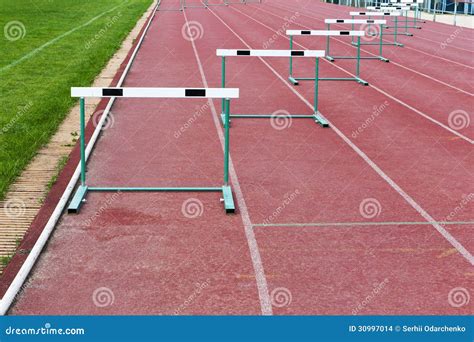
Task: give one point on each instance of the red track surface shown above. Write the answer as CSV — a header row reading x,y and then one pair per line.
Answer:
x,y
155,260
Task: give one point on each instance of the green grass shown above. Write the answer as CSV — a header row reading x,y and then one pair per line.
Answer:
x,y
35,91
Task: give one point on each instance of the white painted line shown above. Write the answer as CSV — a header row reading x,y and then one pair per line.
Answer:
x,y
324,33
376,14
460,248
365,224
262,287
355,21
139,92
270,53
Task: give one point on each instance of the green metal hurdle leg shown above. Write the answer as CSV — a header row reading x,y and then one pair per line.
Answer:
x,y
226,190
81,192
317,115
223,86
291,78
328,57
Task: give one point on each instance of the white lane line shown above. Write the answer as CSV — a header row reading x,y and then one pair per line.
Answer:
x,y
391,61
406,47
265,302
358,223
460,248
54,40
426,116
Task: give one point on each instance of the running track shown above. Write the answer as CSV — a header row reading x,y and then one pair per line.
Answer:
x,y
319,255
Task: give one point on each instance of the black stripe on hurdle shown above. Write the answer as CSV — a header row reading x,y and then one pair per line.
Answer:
x,y
386,14
339,20
112,92
297,53
362,13
344,33
305,32
194,92
370,21
243,52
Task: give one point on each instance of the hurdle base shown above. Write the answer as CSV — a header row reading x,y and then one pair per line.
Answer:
x,y
329,58
82,190
228,199
391,44
357,79
223,119
293,80
77,200
364,57
317,117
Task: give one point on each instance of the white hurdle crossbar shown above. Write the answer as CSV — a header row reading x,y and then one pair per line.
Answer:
x,y
372,14
403,9
82,93
327,34
316,54
416,4
380,22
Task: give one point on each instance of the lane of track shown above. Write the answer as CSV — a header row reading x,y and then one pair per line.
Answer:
x,y
157,253
395,84
282,251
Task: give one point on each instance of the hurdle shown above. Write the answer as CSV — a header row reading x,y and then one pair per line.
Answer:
x,y
414,3
379,22
327,34
82,93
403,9
316,116
375,14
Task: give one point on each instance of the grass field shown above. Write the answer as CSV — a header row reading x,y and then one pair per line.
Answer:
x,y
47,47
